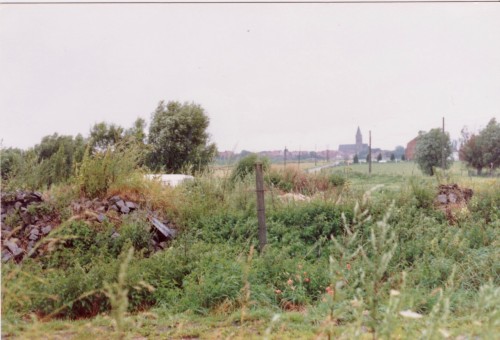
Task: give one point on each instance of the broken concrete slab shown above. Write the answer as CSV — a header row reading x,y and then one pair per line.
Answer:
x,y
162,228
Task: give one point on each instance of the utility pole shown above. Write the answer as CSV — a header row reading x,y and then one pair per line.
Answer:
x,y
443,160
261,207
315,155
285,157
370,153
299,158
328,153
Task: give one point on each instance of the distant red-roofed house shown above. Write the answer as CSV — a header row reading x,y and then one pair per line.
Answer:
x,y
411,148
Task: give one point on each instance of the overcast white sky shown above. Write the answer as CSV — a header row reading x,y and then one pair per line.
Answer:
x,y
304,76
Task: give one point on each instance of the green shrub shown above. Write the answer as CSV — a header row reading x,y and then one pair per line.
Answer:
x,y
135,230
423,193
246,166
278,180
99,171
337,180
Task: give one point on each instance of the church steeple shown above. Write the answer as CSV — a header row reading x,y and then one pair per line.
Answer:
x,y
359,138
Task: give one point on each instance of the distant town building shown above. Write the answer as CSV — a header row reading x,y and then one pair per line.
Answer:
x,y
410,149
352,149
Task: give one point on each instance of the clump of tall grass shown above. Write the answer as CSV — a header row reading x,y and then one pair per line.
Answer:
x,y
297,181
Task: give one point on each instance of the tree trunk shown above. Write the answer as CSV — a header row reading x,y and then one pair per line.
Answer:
x,y
479,171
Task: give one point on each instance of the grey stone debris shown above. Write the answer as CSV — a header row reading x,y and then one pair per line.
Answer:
x,y
123,207
162,228
115,235
18,205
115,199
443,199
131,205
46,230
452,198
26,218
6,255
120,203
13,248
31,244
101,218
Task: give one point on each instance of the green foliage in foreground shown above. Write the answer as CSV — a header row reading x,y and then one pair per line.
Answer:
x,y
384,262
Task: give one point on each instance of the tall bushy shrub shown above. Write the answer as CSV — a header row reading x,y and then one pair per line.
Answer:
x,y
246,166
100,170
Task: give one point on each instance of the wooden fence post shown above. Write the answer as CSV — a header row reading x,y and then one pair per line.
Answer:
x,y
261,208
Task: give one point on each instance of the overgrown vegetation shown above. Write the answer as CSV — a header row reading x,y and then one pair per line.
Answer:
x,y
352,262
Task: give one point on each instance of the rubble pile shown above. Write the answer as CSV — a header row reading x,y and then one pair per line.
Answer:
x,y
451,198
27,219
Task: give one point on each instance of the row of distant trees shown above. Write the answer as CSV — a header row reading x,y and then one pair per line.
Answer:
x,y
478,150
177,140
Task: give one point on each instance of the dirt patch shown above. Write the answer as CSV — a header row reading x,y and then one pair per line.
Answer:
x,y
452,199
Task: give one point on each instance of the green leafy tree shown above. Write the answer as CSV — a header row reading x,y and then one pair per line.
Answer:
x,y
104,135
482,150
431,146
490,140
10,161
471,153
57,156
138,131
355,160
179,139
